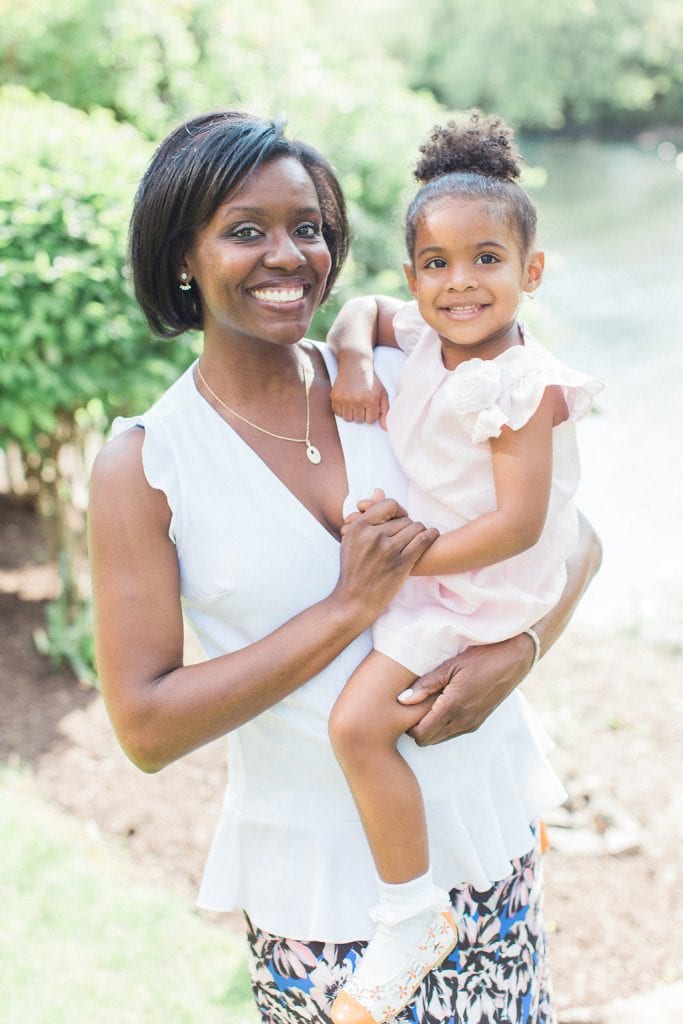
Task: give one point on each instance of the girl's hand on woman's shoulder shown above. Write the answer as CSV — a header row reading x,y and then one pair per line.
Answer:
x,y
358,395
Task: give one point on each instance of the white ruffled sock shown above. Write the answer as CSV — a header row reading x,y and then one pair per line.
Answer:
x,y
403,916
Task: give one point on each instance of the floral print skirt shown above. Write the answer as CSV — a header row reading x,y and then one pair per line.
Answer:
x,y
497,973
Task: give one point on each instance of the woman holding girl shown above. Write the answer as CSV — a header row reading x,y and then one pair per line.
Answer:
x,y
225,501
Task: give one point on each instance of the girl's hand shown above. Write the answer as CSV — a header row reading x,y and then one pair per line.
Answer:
x,y
465,690
363,505
379,548
358,395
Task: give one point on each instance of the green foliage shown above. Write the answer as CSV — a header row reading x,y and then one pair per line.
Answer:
x,y
70,330
68,638
126,55
543,66
553,65
74,348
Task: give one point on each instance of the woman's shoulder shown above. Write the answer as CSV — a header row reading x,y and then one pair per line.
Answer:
x,y
175,400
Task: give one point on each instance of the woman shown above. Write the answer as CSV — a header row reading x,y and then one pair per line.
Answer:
x,y
228,504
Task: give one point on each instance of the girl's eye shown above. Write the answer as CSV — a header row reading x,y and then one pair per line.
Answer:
x,y
487,257
309,231
435,264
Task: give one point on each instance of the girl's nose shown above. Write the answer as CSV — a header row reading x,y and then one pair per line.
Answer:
x,y
461,278
283,252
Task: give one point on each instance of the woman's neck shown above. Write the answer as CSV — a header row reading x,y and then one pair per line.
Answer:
x,y
251,368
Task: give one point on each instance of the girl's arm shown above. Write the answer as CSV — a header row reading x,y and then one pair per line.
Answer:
x,y
162,709
361,324
460,694
522,471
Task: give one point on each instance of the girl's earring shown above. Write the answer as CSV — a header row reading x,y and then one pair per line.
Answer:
x,y
529,295
184,285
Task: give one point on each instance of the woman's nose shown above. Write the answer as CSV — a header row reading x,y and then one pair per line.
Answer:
x,y
283,252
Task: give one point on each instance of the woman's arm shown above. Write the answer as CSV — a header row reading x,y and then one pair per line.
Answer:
x,y
360,325
464,691
161,709
522,474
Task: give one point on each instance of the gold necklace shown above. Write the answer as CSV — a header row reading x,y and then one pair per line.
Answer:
x,y
312,453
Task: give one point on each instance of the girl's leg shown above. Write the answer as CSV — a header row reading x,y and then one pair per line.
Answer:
x,y
365,725
415,932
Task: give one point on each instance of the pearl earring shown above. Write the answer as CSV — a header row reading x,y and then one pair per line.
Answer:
x,y
184,285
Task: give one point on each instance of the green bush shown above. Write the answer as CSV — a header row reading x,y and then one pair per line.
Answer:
x,y
74,348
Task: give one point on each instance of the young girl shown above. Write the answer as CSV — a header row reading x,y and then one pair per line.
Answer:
x,y
483,427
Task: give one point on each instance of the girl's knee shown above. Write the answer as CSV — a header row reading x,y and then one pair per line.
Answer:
x,y
355,733
345,726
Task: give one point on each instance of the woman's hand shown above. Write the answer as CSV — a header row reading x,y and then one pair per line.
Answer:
x,y
460,694
358,395
379,548
466,689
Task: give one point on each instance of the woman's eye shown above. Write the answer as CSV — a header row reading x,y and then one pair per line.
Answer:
x,y
245,231
487,257
309,231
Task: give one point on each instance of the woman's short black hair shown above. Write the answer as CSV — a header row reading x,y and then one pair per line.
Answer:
x,y
191,173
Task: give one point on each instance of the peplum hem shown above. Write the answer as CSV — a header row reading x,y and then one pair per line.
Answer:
x,y
325,887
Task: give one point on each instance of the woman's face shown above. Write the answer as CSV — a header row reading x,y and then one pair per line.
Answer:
x,y
261,263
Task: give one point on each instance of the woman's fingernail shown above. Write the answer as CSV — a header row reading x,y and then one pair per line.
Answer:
x,y
406,695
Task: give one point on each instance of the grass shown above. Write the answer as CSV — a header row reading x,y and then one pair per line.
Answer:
x,y
80,942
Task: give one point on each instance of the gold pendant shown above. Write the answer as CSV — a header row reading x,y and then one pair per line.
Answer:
x,y
312,454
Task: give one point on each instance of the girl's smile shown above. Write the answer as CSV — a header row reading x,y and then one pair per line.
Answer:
x,y
468,276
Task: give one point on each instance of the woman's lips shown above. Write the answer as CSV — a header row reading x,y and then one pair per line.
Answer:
x,y
280,295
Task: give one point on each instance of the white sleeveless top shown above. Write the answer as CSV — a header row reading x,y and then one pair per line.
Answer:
x,y
288,846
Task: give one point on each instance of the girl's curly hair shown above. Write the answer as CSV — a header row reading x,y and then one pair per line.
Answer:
x,y
477,159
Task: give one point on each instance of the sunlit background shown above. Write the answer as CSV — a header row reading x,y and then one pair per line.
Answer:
x,y
594,89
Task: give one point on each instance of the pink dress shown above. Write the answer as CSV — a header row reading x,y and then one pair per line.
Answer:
x,y
439,425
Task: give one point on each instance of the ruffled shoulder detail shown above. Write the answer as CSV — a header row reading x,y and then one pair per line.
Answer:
x,y
488,395
409,326
159,460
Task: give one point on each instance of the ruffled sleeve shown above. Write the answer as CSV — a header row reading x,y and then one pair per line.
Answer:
x,y
488,395
408,326
158,462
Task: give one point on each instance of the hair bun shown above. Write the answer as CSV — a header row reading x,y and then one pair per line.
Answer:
x,y
481,145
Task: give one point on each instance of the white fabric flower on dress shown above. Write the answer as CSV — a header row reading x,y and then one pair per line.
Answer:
x,y
474,385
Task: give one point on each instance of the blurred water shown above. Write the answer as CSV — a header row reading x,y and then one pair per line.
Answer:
x,y
611,303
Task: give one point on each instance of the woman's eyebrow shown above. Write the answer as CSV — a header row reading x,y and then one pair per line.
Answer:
x,y
259,211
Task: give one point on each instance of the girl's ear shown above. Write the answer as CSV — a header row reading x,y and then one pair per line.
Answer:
x,y
411,277
533,272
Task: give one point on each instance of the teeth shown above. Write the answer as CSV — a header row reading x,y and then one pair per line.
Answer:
x,y
279,294
463,309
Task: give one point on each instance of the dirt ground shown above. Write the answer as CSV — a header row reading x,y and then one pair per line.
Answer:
x,y
614,706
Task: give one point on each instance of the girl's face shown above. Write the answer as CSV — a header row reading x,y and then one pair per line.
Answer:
x,y
261,262
468,276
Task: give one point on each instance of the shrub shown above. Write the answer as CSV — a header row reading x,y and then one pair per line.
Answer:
x,y
74,348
